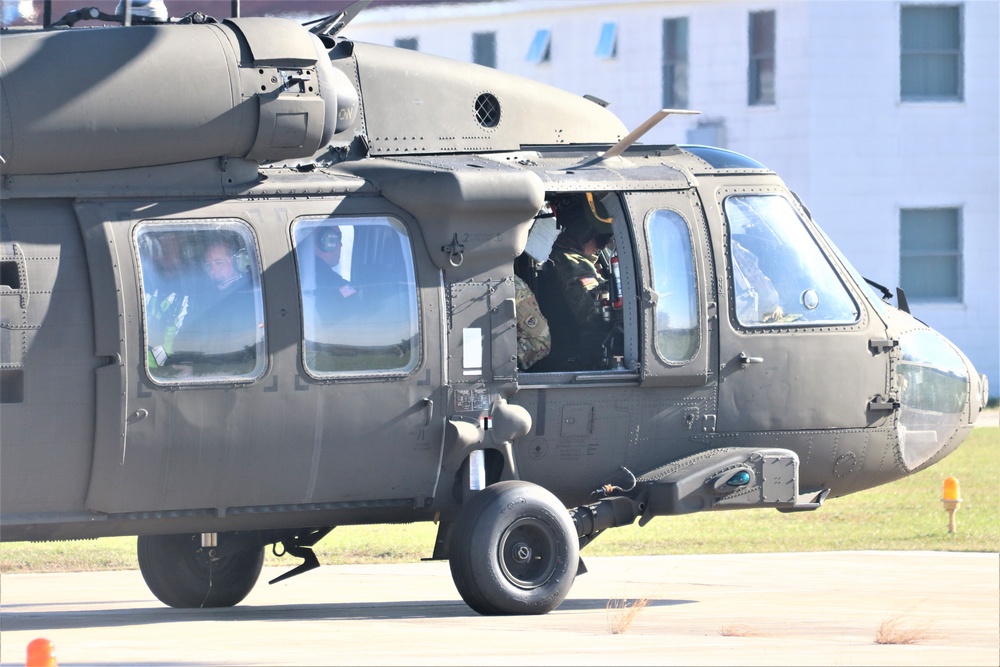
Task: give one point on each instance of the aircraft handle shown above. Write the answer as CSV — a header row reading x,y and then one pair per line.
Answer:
x,y
616,284
746,360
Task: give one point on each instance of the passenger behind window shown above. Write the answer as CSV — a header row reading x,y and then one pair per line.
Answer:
x,y
358,298
219,333
333,291
534,341
165,295
332,304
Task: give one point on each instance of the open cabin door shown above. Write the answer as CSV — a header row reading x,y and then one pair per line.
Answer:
x,y
655,405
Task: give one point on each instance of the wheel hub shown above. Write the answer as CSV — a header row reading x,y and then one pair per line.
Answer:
x,y
522,553
527,553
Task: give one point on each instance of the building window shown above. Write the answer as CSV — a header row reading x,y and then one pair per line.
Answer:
x,y
708,132
358,295
760,81
484,48
607,45
930,53
204,311
930,255
675,63
407,43
541,47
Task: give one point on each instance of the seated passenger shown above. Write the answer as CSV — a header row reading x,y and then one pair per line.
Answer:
x,y
330,285
220,332
533,338
336,313
575,289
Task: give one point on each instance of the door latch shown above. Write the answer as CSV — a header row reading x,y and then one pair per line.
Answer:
x,y
883,404
882,344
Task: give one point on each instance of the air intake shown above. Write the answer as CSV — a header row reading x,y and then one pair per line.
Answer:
x,y
488,110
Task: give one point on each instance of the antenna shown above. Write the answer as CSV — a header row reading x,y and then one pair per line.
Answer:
x,y
635,134
331,25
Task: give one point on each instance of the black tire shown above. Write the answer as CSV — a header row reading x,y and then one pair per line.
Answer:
x,y
180,573
514,550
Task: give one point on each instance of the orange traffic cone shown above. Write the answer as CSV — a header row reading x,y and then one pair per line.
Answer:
x,y
41,653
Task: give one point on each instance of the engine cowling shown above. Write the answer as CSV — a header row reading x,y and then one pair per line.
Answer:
x,y
114,98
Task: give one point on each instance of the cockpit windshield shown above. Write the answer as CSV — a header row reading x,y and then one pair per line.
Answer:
x,y
780,276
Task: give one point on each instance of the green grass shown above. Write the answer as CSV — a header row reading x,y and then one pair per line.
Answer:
x,y
904,515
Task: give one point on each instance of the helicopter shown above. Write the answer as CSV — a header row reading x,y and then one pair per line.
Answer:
x,y
259,280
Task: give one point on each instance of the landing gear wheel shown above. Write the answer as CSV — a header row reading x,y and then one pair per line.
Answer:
x,y
514,550
181,573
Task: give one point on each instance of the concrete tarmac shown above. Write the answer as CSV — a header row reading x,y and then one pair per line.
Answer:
x,y
748,609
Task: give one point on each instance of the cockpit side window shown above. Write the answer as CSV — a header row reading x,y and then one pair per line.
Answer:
x,y
359,297
203,307
672,260
779,275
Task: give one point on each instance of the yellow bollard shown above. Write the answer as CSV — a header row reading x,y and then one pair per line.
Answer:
x,y
41,653
952,499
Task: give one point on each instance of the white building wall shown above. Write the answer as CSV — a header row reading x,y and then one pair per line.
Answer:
x,y
837,133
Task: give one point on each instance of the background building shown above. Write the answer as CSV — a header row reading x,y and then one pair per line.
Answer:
x,y
883,116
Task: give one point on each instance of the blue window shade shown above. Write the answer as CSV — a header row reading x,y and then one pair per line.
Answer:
x,y
540,50
930,255
607,46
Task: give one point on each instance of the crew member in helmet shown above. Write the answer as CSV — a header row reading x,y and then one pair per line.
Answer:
x,y
220,333
576,290
330,285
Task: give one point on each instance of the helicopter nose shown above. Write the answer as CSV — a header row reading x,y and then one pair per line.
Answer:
x,y
940,396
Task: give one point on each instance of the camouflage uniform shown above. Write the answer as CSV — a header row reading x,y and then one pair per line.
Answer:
x,y
533,338
583,284
574,289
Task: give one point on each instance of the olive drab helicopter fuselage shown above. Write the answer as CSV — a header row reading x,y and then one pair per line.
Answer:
x,y
259,282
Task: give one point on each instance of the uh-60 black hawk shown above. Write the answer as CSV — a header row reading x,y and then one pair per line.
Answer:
x,y
260,280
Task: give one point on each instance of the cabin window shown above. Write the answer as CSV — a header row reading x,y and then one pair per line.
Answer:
x,y
672,258
359,297
204,312
779,275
